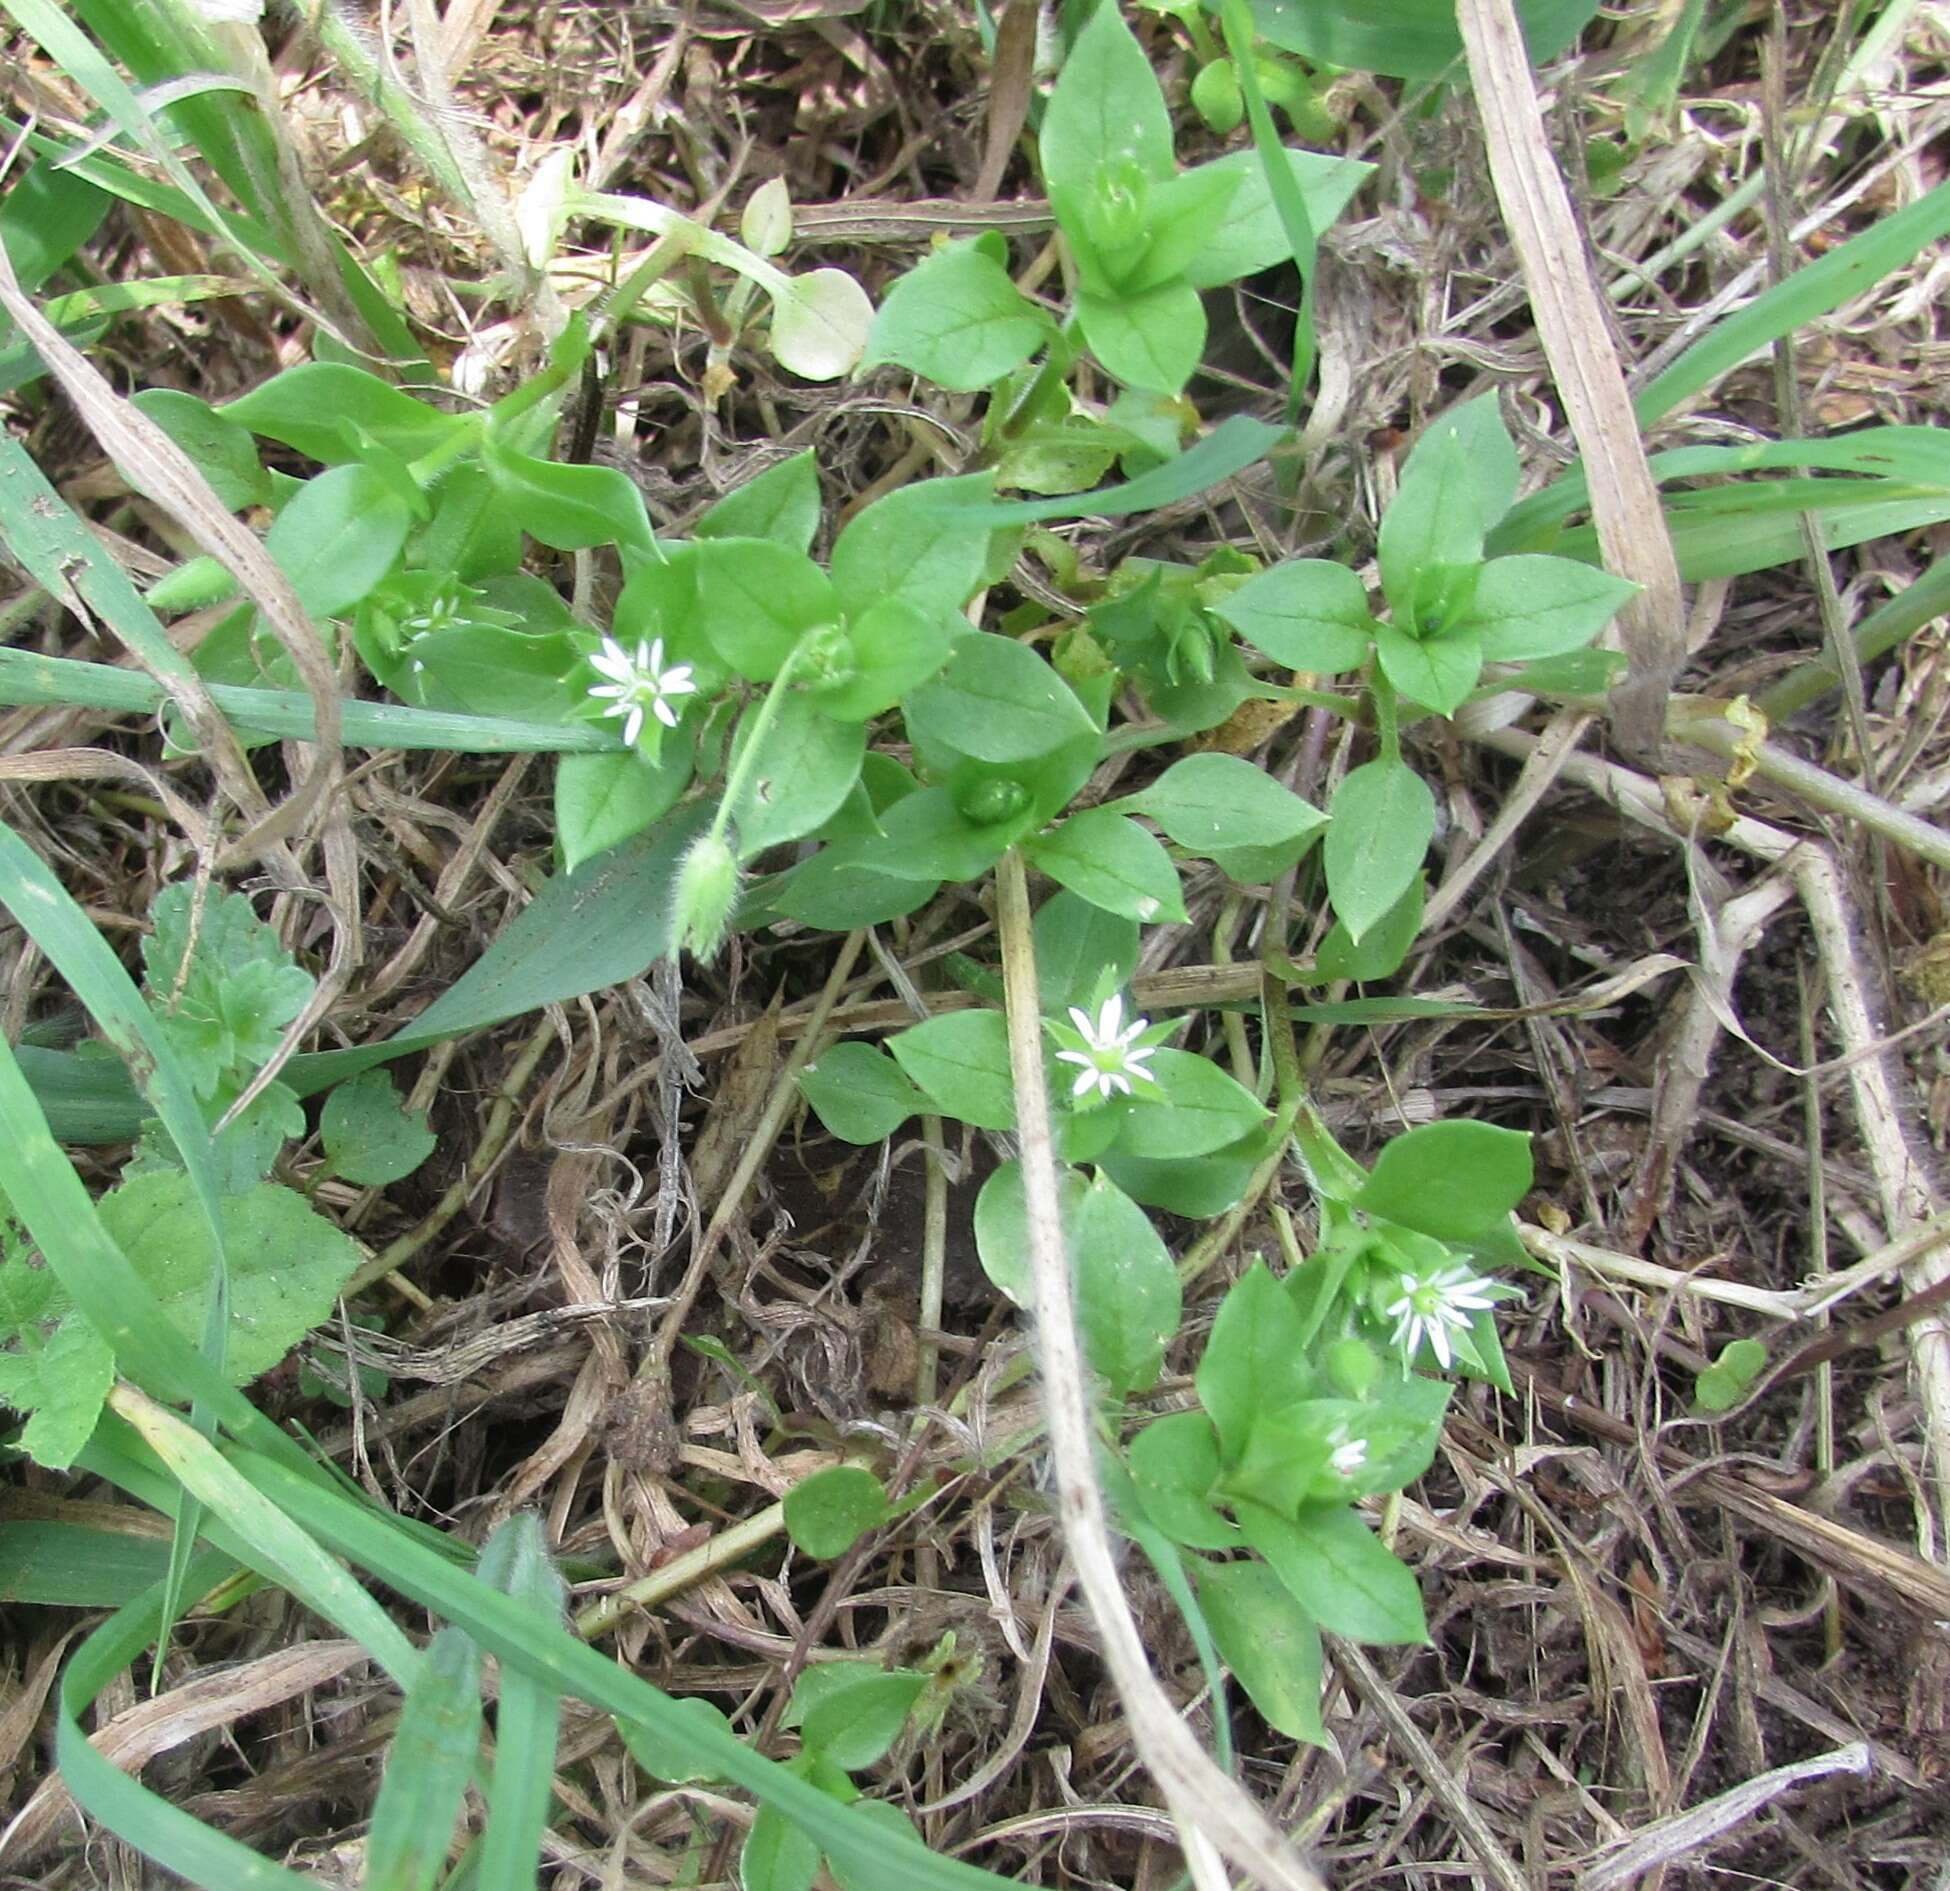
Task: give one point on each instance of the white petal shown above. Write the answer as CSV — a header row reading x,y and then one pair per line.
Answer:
x,y
652,658
665,714
677,681
634,726
1085,1084
1118,1078
1439,1339
1085,1029
1110,1019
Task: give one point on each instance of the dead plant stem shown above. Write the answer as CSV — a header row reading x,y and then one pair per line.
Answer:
x,y
1210,1810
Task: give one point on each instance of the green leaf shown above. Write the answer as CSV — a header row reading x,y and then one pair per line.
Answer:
x,y
603,800
1174,1465
805,770
1207,802
1849,270
1269,1643
1338,1572
1435,522
1202,1110
427,1768
894,648
776,1855
1112,862
1381,949
1435,671
997,701
1254,1361
830,1511
1106,109
1250,235
957,319
473,532
1128,1297
678,1753
960,1061
1180,214
1286,1455
569,507
370,1137
1718,1388
338,536
1451,1179
861,1094
1002,1229
62,1381
1152,340
1127,1294
224,452
1476,426
908,545
1532,606
1409,39
820,324
1380,825
851,1712
782,504
1197,1187
756,599
321,408
286,1263
607,922
1078,946
836,892
222,985
1233,445
874,1872
1307,613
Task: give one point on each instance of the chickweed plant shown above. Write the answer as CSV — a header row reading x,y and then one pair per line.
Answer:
x,y
774,727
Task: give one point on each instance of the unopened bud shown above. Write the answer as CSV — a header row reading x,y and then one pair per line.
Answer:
x,y
706,895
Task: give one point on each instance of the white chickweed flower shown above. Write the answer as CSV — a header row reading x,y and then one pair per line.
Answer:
x,y
1350,1454
1435,1306
1109,1059
639,684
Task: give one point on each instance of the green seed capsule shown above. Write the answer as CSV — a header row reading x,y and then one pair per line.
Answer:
x,y
987,802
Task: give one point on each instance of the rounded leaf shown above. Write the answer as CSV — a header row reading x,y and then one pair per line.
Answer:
x,y
828,1512
820,325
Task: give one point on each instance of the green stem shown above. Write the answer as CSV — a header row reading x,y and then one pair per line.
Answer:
x,y
1386,723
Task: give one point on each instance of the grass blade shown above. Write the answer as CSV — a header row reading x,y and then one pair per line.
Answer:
x,y
512,1632
1232,446
26,677
527,1718
1847,271
1285,192
427,1769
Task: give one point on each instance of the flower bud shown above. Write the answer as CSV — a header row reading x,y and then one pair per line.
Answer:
x,y
705,896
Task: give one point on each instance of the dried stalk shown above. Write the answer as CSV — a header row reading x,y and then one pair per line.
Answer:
x,y
1210,1810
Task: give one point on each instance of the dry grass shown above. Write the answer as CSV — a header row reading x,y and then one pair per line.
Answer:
x,y
1635,1611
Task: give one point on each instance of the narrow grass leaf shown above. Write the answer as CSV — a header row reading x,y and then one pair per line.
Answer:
x,y
1232,446
514,1634
29,678
515,1561
1284,188
163,1833
427,1769
280,1547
